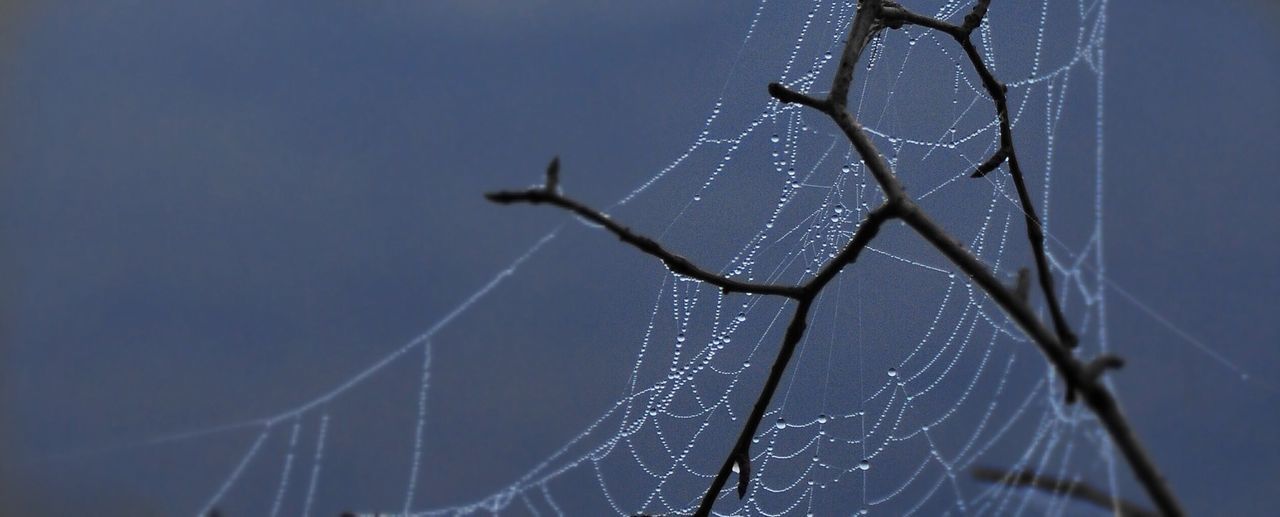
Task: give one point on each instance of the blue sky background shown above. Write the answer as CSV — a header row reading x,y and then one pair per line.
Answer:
x,y
212,211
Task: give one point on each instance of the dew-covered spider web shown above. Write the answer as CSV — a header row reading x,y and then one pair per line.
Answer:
x,y
908,378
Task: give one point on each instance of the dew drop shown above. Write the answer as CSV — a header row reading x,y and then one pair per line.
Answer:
x,y
893,372
864,465
780,424
775,139
741,317
822,419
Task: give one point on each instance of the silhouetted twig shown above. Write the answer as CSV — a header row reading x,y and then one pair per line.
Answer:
x,y
1074,489
1082,379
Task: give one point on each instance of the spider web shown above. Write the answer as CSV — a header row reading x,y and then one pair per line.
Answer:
x,y
908,378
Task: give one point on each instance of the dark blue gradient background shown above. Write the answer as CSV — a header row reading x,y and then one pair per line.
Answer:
x,y
210,211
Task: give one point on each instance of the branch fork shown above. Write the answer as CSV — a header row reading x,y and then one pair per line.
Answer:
x,y
1083,380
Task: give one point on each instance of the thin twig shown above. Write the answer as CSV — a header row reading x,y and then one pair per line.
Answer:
x,y
676,263
1078,379
1073,489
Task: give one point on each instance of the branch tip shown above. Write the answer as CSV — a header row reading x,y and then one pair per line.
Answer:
x,y
1099,365
1022,288
553,175
504,197
1093,371
975,17
788,96
743,464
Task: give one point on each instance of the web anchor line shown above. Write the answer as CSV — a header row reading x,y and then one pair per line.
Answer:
x,y
1083,379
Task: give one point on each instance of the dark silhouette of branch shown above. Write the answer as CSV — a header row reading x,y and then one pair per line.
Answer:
x,y
1082,380
1073,489
1006,153
549,193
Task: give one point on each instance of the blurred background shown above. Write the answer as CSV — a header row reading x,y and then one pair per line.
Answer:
x,y
215,211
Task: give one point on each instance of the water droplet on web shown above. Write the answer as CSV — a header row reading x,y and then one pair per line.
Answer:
x,y
822,419
780,424
741,317
893,372
864,465
775,139
839,209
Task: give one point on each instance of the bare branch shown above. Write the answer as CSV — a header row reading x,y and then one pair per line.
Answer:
x,y
1073,489
861,238
1022,287
789,96
676,263
1081,379
898,15
1093,371
975,17
1054,346
895,16
741,448
861,31
553,175
1035,232
991,164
